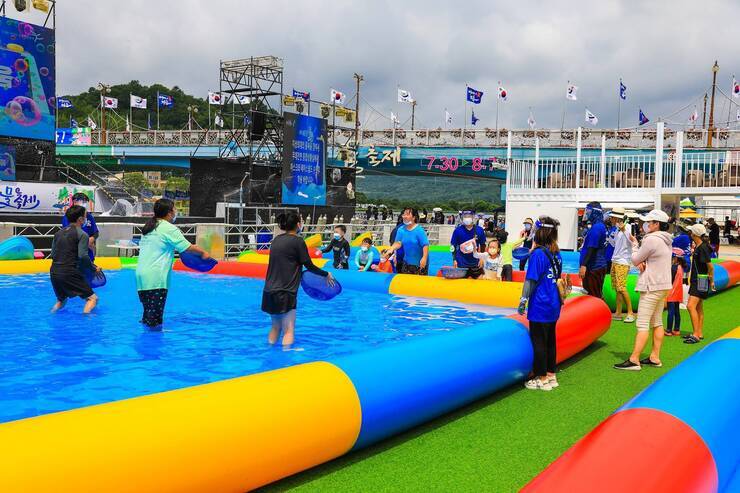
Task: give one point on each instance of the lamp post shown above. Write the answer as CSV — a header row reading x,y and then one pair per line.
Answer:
x,y
191,111
103,89
715,69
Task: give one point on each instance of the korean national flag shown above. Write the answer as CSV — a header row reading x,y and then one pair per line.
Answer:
x,y
474,95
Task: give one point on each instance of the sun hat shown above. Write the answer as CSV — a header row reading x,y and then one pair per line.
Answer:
x,y
698,230
617,212
655,215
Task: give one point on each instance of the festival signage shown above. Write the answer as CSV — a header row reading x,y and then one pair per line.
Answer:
x,y
304,160
7,163
81,136
16,196
27,101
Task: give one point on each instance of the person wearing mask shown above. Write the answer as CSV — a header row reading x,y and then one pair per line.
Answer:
x,y
527,234
621,243
653,259
592,259
90,228
491,259
713,236
675,297
507,257
160,238
288,257
542,302
365,256
339,246
69,257
415,244
683,242
467,240
701,281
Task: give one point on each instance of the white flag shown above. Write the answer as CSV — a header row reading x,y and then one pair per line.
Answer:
x,y
530,121
404,96
128,125
735,88
503,95
240,99
448,118
109,103
215,98
337,97
394,119
570,93
694,116
91,123
591,118
218,121
137,102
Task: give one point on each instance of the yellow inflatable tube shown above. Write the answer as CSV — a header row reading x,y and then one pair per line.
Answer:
x,y
265,259
313,241
232,435
733,334
43,265
503,294
358,240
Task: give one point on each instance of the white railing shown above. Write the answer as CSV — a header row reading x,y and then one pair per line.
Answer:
x,y
711,169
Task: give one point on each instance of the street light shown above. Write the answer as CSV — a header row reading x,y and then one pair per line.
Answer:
x,y
191,110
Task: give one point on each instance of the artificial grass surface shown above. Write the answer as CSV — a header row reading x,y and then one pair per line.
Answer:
x,y
501,442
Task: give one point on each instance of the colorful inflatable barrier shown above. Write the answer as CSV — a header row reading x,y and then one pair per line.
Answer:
x,y
16,248
313,241
678,435
358,239
43,265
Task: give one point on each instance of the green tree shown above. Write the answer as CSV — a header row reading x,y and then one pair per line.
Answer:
x,y
135,181
177,183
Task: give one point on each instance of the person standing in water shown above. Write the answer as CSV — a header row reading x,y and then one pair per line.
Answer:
x,y
159,241
90,227
467,240
412,238
288,254
340,247
69,254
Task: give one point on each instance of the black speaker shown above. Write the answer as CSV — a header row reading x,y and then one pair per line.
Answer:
x,y
258,125
210,179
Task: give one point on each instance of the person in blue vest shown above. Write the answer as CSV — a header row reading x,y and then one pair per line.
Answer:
x,y
683,241
89,225
592,257
467,240
611,232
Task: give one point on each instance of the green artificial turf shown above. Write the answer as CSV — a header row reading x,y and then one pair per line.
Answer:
x,y
499,443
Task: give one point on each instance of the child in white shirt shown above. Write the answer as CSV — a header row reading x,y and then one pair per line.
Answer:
x,y
491,260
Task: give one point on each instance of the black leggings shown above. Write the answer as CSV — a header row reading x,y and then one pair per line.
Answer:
x,y
153,301
542,335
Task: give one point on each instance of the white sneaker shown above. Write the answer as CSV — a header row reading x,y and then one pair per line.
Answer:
x,y
629,319
537,384
616,317
553,382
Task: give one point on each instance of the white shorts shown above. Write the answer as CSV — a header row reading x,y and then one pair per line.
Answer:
x,y
650,309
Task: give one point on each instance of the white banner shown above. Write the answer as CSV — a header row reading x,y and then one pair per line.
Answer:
x,y
19,196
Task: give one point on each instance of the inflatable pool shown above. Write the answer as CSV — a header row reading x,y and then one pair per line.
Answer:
x,y
16,248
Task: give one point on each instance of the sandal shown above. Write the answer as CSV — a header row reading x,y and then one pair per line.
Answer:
x,y
692,340
668,333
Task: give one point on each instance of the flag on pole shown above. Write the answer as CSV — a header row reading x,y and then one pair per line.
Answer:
x,y
591,118
246,121
128,124
218,121
73,123
448,118
735,88
570,92
404,96
306,96
64,103
109,103
694,116
531,121
241,99
165,101
91,123
622,90
137,102
502,94
394,119
215,98
643,118
473,119
337,97
474,95
148,120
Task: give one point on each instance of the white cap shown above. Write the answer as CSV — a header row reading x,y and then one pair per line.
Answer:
x,y
698,229
655,215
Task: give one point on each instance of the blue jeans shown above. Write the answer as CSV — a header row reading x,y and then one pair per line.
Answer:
x,y
674,316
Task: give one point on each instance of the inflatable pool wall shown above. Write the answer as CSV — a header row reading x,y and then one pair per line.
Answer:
x,y
16,248
678,435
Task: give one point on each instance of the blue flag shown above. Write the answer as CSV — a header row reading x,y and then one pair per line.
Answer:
x,y
473,118
246,121
165,101
306,96
622,90
474,96
643,118
64,103
73,123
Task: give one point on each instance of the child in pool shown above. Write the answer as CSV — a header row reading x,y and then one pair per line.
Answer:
x,y
492,261
385,265
364,257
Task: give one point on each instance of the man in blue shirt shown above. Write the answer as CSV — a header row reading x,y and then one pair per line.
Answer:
x,y
466,239
415,244
611,232
592,257
88,227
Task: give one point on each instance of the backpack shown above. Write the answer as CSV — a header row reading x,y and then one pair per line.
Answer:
x,y
563,282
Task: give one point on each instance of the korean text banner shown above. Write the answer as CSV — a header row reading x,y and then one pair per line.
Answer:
x,y
27,101
18,196
304,160
7,162
80,136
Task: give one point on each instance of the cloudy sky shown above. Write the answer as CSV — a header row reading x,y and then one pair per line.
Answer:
x,y
663,50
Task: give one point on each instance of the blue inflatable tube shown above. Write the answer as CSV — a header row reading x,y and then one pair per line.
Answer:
x,y
404,385
721,277
703,393
16,248
373,282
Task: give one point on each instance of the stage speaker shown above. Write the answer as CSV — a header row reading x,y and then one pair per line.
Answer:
x,y
258,125
211,179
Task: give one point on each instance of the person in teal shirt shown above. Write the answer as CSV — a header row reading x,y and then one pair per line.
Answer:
x,y
364,257
159,241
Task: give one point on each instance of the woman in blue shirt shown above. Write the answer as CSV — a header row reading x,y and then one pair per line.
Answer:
x,y
415,245
541,292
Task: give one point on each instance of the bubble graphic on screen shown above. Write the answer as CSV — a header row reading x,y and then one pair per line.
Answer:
x,y
25,29
24,111
21,65
52,102
15,82
40,48
14,110
44,71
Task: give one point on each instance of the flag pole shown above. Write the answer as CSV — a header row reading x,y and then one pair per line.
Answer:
x,y
209,110
498,96
619,104
729,110
465,114
562,122
157,110
130,114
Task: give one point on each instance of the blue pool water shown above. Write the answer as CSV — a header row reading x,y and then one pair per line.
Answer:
x,y
213,330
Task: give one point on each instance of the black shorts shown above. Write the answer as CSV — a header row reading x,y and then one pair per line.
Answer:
x,y
473,273
279,302
69,284
506,273
413,269
694,291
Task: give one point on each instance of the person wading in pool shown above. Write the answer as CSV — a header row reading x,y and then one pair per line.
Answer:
x,y
288,254
415,244
69,254
467,240
89,227
159,241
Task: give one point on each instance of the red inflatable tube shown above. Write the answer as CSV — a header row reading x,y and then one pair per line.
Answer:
x,y
733,271
312,252
633,450
243,269
583,319
518,276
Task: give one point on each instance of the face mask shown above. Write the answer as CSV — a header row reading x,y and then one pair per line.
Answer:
x,y
646,227
300,228
527,227
493,251
467,221
81,203
337,236
364,249
174,217
407,223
